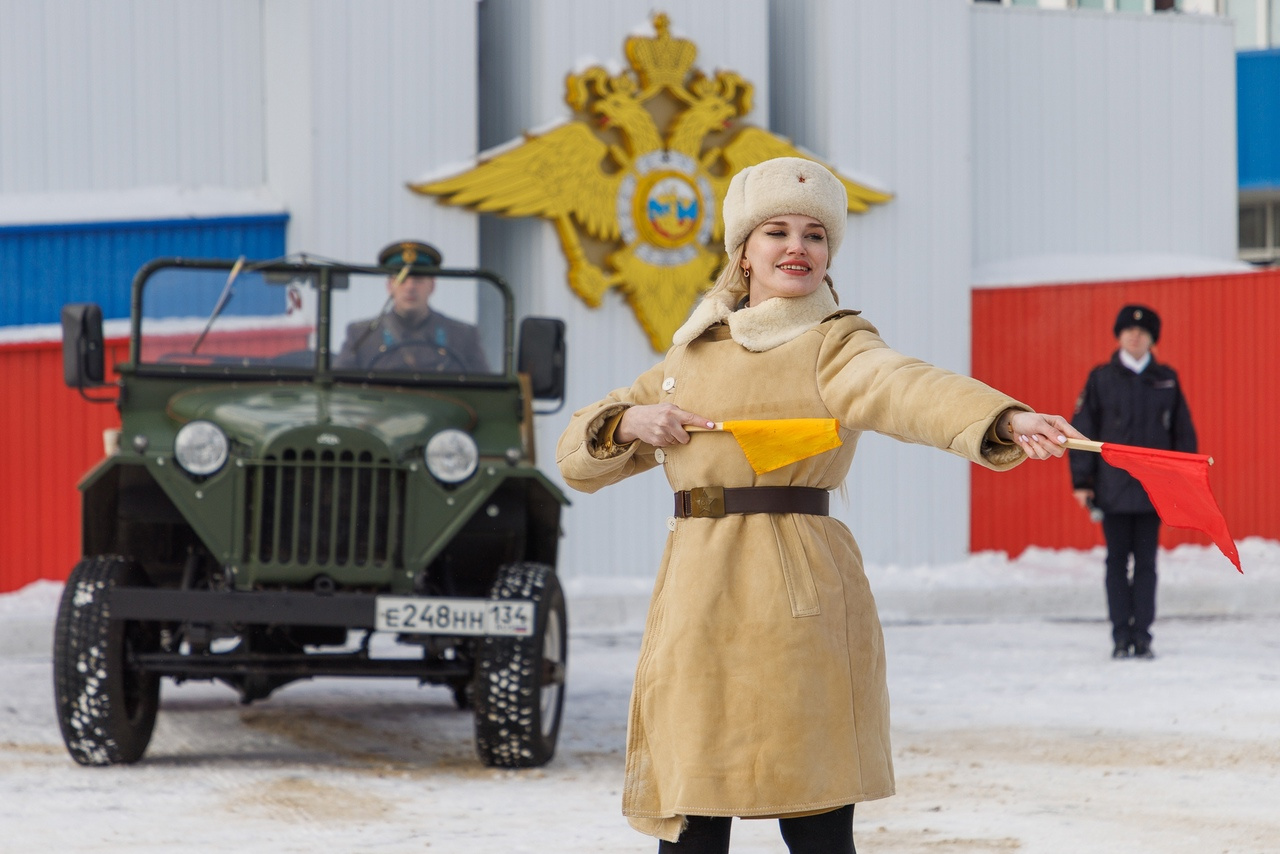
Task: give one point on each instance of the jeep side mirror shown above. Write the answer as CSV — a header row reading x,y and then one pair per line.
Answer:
x,y
82,347
542,357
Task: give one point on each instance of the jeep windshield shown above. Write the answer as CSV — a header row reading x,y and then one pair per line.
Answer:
x,y
383,325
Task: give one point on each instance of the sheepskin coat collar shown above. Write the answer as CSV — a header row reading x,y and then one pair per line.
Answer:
x,y
763,327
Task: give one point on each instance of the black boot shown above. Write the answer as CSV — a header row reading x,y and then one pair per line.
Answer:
x,y
1123,641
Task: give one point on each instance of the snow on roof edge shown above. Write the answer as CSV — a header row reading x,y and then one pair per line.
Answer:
x,y
35,333
138,203
1114,267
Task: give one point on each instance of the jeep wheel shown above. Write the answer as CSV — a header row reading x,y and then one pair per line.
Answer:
x,y
519,687
106,707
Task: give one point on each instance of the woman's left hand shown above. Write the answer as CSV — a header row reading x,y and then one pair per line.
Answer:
x,y
1039,436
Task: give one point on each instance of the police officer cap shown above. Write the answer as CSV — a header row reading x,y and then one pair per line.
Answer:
x,y
411,253
1140,316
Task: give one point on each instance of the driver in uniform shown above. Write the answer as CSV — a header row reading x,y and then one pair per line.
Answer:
x,y
409,335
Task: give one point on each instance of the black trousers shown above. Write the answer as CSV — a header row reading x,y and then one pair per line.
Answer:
x,y
1131,601
824,833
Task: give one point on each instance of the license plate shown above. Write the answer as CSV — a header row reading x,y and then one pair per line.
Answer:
x,y
428,615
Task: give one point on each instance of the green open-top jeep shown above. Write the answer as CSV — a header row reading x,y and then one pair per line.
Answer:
x,y
309,482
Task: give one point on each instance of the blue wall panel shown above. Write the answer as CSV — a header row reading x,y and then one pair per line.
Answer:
x,y
44,266
1258,118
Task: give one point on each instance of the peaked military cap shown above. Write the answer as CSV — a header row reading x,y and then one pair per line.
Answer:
x,y
411,253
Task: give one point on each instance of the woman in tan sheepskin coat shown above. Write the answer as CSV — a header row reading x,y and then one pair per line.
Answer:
x,y
760,689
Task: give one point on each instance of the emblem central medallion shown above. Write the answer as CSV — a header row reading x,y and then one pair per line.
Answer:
x,y
633,183
666,208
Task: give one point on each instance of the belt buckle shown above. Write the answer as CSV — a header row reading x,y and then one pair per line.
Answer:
x,y
706,502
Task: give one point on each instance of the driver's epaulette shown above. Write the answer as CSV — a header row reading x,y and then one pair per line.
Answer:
x,y
844,312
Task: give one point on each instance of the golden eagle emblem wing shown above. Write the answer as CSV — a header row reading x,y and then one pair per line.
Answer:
x,y
753,145
555,175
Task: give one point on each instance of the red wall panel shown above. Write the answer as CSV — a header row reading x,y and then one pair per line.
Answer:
x,y
51,436
1038,344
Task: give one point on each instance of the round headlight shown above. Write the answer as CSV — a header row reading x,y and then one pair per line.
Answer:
x,y
200,448
452,455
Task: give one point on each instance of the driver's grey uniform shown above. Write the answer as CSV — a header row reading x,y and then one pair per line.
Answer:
x,y
389,342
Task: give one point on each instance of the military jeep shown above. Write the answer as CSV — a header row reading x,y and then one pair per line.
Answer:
x,y
270,512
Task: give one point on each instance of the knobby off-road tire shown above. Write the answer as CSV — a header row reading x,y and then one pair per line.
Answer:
x,y
106,708
519,686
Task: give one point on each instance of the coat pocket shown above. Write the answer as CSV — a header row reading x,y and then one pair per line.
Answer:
x,y
801,589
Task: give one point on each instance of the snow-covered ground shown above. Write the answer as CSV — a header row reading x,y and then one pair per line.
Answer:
x,y
1013,731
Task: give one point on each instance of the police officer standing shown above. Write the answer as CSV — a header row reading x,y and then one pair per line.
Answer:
x,y
1131,400
409,335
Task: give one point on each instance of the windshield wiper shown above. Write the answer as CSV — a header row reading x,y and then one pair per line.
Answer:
x,y
223,299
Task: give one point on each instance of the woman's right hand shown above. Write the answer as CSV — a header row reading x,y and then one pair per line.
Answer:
x,y
658,424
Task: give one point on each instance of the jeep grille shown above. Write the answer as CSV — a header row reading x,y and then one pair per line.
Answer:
x,y
324,508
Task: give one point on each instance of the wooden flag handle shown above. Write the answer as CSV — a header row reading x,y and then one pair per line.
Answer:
x,y
1073,444
1096,447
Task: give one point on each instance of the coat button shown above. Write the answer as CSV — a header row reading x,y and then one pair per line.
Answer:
x,y
660,455
671,523
669,384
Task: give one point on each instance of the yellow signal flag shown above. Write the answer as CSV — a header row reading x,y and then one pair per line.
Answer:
x,y
773,443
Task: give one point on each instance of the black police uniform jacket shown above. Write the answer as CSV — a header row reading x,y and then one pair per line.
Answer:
x,y
1117,405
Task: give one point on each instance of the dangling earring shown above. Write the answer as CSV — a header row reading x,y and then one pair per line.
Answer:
x,y
746,272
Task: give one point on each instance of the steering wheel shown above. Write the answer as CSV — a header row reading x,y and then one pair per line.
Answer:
x,y
416,357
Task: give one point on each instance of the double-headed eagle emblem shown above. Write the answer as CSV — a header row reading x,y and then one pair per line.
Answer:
x,y
633,184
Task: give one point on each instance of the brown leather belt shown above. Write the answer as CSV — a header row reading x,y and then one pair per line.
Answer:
x,y
716,501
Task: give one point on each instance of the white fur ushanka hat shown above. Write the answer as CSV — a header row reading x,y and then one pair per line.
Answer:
x,y
785,185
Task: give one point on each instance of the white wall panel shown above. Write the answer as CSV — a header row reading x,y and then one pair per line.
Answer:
x,y
362,99
528,48
880,88
110,115
128,94
1117,149
1089,177
1097,134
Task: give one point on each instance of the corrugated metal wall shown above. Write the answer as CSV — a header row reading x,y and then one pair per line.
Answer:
x,y
51,437
331,107
1038,343
325,110
44,266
